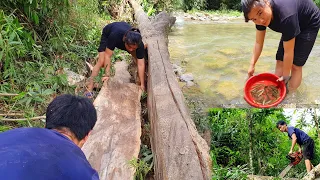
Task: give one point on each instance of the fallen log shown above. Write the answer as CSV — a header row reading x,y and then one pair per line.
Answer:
x,y
115,139
179,151
313,174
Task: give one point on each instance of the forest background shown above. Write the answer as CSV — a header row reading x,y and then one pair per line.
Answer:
x,y
38,38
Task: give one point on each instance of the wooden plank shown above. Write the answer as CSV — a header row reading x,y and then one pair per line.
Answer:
x,y
115,139
179,151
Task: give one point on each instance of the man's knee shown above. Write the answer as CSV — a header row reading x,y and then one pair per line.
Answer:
x,y
296,68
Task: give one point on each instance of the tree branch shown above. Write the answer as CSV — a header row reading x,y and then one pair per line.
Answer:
x,y
24,119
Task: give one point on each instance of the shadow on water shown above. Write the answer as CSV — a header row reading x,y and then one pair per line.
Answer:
x,y
218,56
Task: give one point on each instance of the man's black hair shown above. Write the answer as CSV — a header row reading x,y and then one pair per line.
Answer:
x,y
281,122
133,37
247,6
73,112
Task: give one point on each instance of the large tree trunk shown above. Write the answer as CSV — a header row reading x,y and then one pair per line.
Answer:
x,y
179,151
313,174
115,139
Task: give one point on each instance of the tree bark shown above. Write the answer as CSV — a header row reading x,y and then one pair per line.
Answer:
x,y
115,139
179,151
313,174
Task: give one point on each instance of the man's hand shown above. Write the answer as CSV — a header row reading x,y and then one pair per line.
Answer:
x,y
250,70
284,78
105,78
143,88
290,152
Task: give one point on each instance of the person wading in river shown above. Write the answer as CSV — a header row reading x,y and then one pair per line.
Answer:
x,y
302,139
298,21
122,36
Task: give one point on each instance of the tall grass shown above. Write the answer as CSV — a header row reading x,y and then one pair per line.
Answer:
x,y
37,38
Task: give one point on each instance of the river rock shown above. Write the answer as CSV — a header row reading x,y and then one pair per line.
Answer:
x,y
177,69
193,18
72,77
215,19
186,77
190,83
199,14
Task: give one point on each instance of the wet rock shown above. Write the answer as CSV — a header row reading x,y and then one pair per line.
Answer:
x,y
186,77
193,18
177,69
72,77
229,51
199,14
215,19
190,83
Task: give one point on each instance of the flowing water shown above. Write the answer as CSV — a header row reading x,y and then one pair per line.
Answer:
x,y
218,55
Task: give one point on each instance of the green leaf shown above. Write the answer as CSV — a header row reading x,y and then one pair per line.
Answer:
x,y
35,18
15,42
20,96
1,54
48,92
28,101
12,36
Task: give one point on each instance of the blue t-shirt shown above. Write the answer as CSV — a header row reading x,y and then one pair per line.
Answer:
x,y
38,153
301,136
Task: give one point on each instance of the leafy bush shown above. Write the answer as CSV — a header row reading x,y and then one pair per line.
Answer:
x,y
317,3
194,4
37,39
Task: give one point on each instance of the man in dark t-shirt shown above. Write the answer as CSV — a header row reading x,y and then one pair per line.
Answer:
x,y
122,36
298,21
51,153
302,139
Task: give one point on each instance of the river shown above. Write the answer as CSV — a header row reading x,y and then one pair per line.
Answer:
x,y
218,55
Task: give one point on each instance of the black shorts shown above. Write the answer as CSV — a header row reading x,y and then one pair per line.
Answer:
x,y
303,45
308,149
103,39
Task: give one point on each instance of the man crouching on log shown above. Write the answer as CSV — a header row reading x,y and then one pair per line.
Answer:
x,y
53,152
122,36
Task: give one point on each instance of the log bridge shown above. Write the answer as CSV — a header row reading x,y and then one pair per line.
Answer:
x,y
179,151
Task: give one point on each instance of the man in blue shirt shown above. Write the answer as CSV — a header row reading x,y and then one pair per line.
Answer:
x,y
302,139
52,152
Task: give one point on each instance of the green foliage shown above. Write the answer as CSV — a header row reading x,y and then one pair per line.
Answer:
x,y
317,3
194,4
37,39
144,164
4,128
233,173
233,130
152,7
224,4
